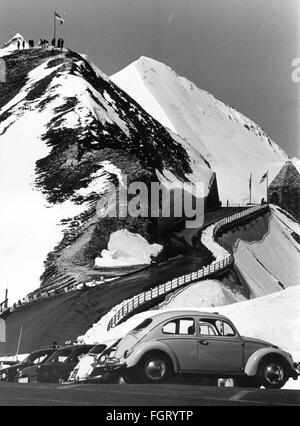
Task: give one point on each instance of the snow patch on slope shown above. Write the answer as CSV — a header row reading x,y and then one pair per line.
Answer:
x,y
202,294
31,229
126,249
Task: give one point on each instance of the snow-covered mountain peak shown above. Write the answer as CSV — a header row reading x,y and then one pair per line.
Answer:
x,y
13,44
14,41
232,144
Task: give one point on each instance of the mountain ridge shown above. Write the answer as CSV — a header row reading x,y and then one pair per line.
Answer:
x,y
68,120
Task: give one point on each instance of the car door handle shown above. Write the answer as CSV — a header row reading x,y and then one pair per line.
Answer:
x,y
203,342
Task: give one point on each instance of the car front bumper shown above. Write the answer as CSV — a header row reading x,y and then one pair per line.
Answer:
x,y
110,367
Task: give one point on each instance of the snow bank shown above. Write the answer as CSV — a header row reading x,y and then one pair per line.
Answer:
x,y
203,294
273,262
98,332
126,249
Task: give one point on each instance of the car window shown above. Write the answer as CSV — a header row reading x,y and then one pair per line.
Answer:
x,y
37,357
98,349
206,329
60,356
225,329
222,328
180,326
40,359
143,325
77,354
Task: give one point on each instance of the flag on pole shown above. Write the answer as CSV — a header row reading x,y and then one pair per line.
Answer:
x,y
263,177
59,18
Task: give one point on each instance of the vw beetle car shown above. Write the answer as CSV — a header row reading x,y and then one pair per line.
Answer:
x,y
196,343
57,368
10,374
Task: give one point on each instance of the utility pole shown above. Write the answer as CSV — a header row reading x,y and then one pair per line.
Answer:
x,y
19,341
6,297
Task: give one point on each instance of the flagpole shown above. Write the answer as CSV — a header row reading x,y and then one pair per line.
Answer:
x,y
250,187
267,186
54,28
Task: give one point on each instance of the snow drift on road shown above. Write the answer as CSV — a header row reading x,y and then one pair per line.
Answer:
x,y
233,145
126,249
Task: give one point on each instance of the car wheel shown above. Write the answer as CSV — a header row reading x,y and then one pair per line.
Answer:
x,y
272,373
154,368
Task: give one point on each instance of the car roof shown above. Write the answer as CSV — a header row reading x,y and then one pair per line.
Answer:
x,y
164,315
75,347
42,350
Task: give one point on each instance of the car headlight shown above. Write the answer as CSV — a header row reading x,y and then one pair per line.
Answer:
x,y
3,376
103,359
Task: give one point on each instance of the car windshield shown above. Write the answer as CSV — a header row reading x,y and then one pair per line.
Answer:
x,y
60,356
37,357
98,349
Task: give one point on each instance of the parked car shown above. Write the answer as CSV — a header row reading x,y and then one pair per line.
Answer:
x,y
97,374
87,364
10,374
195,343
57,368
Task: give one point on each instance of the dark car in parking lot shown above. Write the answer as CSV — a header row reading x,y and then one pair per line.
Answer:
x,y
57,368
36,358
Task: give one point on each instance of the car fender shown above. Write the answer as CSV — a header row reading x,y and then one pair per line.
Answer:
x,y
254,360
154,345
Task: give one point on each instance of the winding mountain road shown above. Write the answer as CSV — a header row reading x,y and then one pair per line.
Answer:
x,y
66,316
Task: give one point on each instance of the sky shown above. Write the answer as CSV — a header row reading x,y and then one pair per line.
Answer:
x,y
239,50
